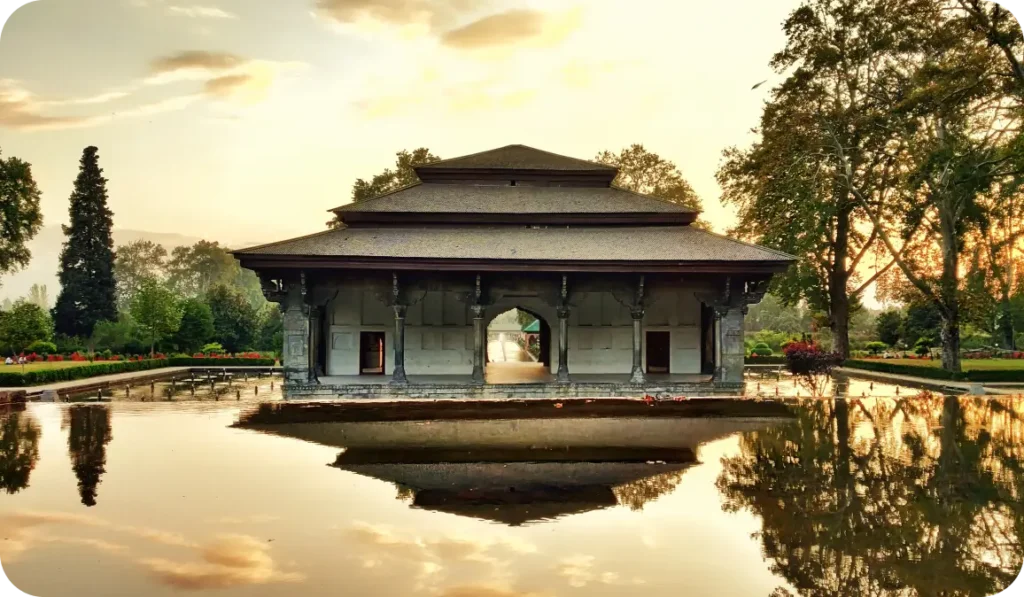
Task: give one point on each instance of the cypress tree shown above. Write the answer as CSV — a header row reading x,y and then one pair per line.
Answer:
x,y
88,292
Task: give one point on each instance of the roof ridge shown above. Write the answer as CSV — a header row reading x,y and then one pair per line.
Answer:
x,y
597,165
743,242
287,240
389,193
655,198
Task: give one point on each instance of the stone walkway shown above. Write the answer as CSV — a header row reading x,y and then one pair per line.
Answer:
x,y
116,379
967,387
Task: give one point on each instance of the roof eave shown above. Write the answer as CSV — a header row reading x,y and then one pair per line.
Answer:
x,y
264,261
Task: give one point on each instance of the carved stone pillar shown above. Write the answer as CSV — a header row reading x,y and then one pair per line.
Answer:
x,y
638,347
563,344
479,343
295,354
731,352
398,374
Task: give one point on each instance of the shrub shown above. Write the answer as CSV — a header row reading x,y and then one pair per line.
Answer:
x,y
876,347
761,350
759,360
213,348
807,359
44,376
42,347
923,346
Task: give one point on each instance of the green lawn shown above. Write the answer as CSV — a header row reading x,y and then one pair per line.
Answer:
x,y
40,366
967,365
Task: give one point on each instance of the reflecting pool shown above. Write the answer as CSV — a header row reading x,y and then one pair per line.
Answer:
x,y
868,496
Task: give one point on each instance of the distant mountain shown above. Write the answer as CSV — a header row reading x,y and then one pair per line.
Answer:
x,y
46,248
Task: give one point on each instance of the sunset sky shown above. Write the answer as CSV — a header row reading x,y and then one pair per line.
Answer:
x,y
244,120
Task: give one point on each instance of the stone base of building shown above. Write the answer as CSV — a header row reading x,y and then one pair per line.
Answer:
x,y
513,391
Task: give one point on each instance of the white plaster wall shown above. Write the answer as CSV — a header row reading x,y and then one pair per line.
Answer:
x,y
601,332
438,333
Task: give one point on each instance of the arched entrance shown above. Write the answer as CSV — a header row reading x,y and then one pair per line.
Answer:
x,y
518,347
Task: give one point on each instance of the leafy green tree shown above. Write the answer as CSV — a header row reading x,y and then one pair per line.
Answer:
x,y
22,325
121,336
88,290
156,310
271,333
193,271
88,435
390,180
20,217
196,327
922,320
37,295
136,262
234,319
822,122
958,101
19,449
887,326
646,172
771,314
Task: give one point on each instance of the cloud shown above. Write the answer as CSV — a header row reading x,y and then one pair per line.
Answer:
x,y
229,561
431,13
578,570
20,110
430,561
200,12
195,60
499,29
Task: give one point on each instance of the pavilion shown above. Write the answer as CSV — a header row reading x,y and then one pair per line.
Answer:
x,y
631,298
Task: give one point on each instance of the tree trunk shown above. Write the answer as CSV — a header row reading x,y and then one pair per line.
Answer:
x,y
838,286
949,294
1004,324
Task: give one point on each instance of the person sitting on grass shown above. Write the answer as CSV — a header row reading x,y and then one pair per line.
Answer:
x,y
9,361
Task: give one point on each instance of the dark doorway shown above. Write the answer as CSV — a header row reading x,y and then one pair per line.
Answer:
x,y
371,353
707,339
659,353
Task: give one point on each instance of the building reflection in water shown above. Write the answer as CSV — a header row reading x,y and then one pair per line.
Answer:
x,y
89,433
19,447
519,471
919,496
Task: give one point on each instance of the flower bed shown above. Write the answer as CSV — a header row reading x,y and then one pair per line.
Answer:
x,y
17,379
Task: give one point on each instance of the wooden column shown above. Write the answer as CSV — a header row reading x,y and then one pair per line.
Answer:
x,y
563,344
479,343
638,347
398,375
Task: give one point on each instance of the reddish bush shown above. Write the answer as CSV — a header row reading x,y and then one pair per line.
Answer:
x,y
807,358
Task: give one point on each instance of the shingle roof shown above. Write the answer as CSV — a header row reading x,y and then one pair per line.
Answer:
x,y
465,198
516,157
582,243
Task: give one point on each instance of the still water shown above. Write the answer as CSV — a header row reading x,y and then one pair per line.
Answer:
x,y
903,496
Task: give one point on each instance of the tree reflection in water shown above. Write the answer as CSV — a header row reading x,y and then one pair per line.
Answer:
x,y
19,448
637,493
920,496
88,436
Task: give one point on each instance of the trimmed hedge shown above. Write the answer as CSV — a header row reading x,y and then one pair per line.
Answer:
x,y
1012,375
773,360
226,362
17,379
